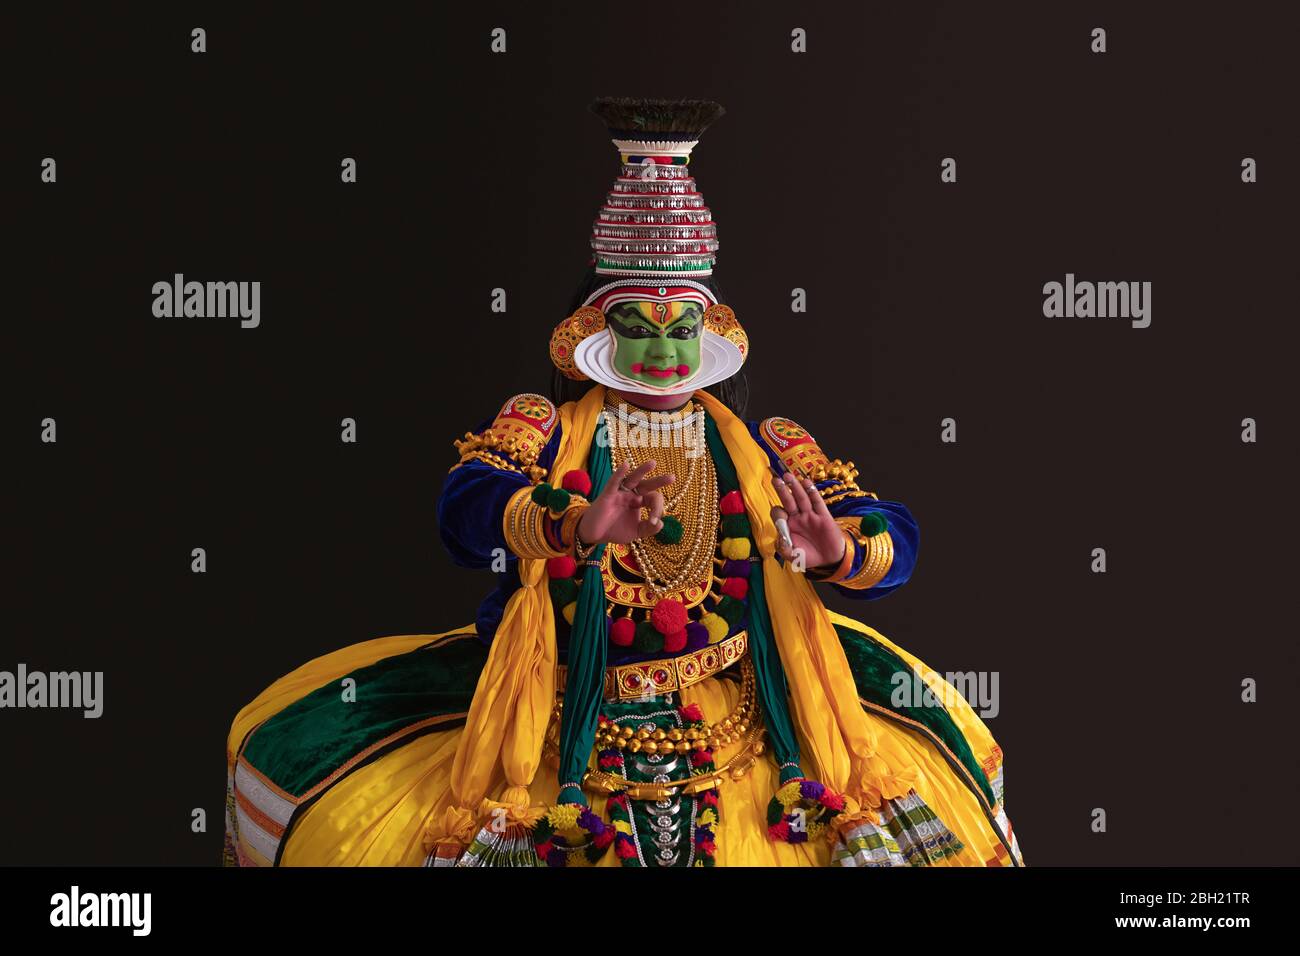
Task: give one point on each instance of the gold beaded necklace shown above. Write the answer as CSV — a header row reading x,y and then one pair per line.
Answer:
x,y
667,568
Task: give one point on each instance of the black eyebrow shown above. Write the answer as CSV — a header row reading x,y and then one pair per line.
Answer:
x,y
625,313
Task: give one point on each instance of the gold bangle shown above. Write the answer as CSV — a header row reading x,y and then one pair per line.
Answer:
x,y
569,526
846,563
522,526
876,564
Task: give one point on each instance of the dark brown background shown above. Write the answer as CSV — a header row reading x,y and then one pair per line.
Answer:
x,y
1118,691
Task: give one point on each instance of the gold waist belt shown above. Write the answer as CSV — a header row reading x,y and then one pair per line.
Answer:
x,y
627,681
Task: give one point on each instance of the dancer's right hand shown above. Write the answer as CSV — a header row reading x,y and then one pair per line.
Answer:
x,y
615,515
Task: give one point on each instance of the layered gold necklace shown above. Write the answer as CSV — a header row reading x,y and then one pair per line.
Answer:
x,y
674,440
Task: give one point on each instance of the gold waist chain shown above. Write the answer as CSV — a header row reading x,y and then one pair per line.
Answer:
x,y
743,725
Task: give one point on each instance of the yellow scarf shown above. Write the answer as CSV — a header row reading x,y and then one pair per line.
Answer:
x,y
512,704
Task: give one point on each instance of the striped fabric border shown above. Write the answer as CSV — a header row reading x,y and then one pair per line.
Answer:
x,y
909,834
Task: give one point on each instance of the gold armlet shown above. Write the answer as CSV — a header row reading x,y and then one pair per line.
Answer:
x,y
500,452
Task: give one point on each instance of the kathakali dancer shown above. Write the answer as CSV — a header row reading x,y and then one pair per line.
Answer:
x,y
655,680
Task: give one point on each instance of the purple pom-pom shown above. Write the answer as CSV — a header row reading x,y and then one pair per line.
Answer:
x,y
798,836
590,822
556,858
736,569
811,790
697,636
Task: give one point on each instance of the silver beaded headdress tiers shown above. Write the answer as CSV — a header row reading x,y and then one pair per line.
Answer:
x,y
653,240
654,222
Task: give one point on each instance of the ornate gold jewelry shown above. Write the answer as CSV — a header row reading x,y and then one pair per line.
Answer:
x,y
668,568
846,562
516,437
661,676
721,320
567,336
722,733
522,525
878,560
581,551
599,781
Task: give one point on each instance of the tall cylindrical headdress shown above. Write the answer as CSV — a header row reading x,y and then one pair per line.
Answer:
x,y
654,240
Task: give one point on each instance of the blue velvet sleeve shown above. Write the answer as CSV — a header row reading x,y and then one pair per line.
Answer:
x,y
903,531
472,505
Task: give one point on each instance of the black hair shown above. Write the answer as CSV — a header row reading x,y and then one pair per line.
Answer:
x,y
732,392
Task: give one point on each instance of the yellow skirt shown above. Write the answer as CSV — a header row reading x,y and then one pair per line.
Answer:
x,y
377,812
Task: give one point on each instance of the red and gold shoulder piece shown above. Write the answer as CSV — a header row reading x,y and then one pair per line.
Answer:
x,y
799,452
516,436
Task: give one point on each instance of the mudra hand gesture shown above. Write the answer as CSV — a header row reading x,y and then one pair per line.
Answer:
x,y
615,515
812,527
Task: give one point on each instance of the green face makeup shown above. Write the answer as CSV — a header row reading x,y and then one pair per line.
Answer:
x,y
657,343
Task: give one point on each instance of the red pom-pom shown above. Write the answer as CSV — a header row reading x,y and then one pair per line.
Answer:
x,y
732,504
832,800
604,838
561,567
625,849
622,631
700,757
691,712
577,481
675,641
669,616
735,588
779,832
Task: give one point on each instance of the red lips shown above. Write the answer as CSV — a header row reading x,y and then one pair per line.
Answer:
x,y
658,372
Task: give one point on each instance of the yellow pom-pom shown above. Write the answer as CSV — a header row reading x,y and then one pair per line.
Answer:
x,y
707,818
717,626
564,816
569,610
790,792
577,859
735,549
622,826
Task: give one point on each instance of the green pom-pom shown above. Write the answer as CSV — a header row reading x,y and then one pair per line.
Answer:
x,y
730,610
774,812
873,524
671,532
734,526
563,590
647,640
541,493
558,499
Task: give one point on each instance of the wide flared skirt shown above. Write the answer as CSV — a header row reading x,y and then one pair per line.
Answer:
x,y
347,761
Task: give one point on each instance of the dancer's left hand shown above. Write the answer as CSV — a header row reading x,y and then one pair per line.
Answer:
x,y
812,527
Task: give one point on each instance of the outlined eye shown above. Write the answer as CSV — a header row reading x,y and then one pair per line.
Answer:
x,y
685,332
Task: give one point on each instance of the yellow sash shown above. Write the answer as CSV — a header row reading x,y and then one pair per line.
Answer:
x,y
512,704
